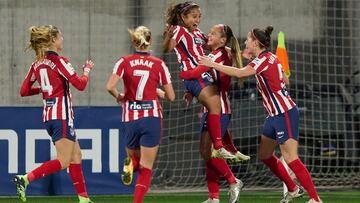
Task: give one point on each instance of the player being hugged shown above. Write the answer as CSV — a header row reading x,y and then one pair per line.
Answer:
x,y
54,74
142,116
219,36
183,35
281,126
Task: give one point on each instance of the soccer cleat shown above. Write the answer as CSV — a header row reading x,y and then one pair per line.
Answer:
x,y
21,183
222,153
289,196
210,200
313,201
241,157
234,191
85,200
128,171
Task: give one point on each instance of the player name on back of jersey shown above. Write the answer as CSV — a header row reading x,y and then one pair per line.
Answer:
x,y
141,62
45,62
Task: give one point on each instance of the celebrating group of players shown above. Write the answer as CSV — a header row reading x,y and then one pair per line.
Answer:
x,y
207,78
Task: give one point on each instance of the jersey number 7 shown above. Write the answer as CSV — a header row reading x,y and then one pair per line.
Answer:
x,y
144,74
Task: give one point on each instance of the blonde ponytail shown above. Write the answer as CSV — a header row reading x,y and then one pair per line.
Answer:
x,y
140,37
41,39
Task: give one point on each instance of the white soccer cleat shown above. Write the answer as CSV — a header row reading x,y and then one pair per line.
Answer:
x,y
234,191
313,201
222,153
210,200
241,157
290,196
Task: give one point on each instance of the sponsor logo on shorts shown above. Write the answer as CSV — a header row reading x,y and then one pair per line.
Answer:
x,y
280,134
141,105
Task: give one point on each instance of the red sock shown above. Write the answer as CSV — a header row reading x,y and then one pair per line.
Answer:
x,y
214,128
303,176
278,168
135,161
222,169
213,184
228,142
142,184
77,177
45,169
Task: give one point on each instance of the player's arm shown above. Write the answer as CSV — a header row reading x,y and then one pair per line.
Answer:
x,y
228,70
169,42
111,87
67,71
286,80
27,88
168,93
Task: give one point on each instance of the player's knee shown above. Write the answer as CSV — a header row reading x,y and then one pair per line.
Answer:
x,y
77,156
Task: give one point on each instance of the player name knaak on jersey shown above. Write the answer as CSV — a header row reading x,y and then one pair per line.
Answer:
x,y
141,62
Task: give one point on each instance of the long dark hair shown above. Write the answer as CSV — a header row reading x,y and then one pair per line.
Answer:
x,y
263,36
174,12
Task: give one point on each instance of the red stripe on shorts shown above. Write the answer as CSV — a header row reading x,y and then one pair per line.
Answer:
x,y
288,124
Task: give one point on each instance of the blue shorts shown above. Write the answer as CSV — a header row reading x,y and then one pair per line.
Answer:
x,y
283,126
145,132
196,85
224,122
58,129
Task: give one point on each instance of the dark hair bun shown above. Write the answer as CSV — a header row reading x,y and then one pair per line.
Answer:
x,y
268,30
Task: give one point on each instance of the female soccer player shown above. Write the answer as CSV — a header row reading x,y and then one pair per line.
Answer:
x,y
142,115
188,40
281,126
54,73
218,37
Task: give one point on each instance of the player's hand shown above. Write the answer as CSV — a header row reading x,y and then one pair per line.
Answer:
x,y
206,61
120,98
88,66
187,97
169,30
160,93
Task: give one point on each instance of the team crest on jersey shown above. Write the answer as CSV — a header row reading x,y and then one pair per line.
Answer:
x,y
285,92
199,40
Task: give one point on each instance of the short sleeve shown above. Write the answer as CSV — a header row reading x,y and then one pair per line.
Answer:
x,y
119,67
259,64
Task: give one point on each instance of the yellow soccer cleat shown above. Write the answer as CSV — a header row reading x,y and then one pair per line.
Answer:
x,y
128,171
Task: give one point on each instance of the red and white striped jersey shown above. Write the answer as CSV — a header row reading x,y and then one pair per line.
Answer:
x,y
188,46
54,74
142,73
223,81
270,83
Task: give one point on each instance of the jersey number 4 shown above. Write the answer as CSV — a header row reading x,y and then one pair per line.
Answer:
x,y
45,83
144,74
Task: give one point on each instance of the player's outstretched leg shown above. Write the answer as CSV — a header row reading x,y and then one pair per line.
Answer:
x,y
128,171
289,196
234,191
21,183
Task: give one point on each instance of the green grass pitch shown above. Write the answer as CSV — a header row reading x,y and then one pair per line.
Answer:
x,y
246,197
